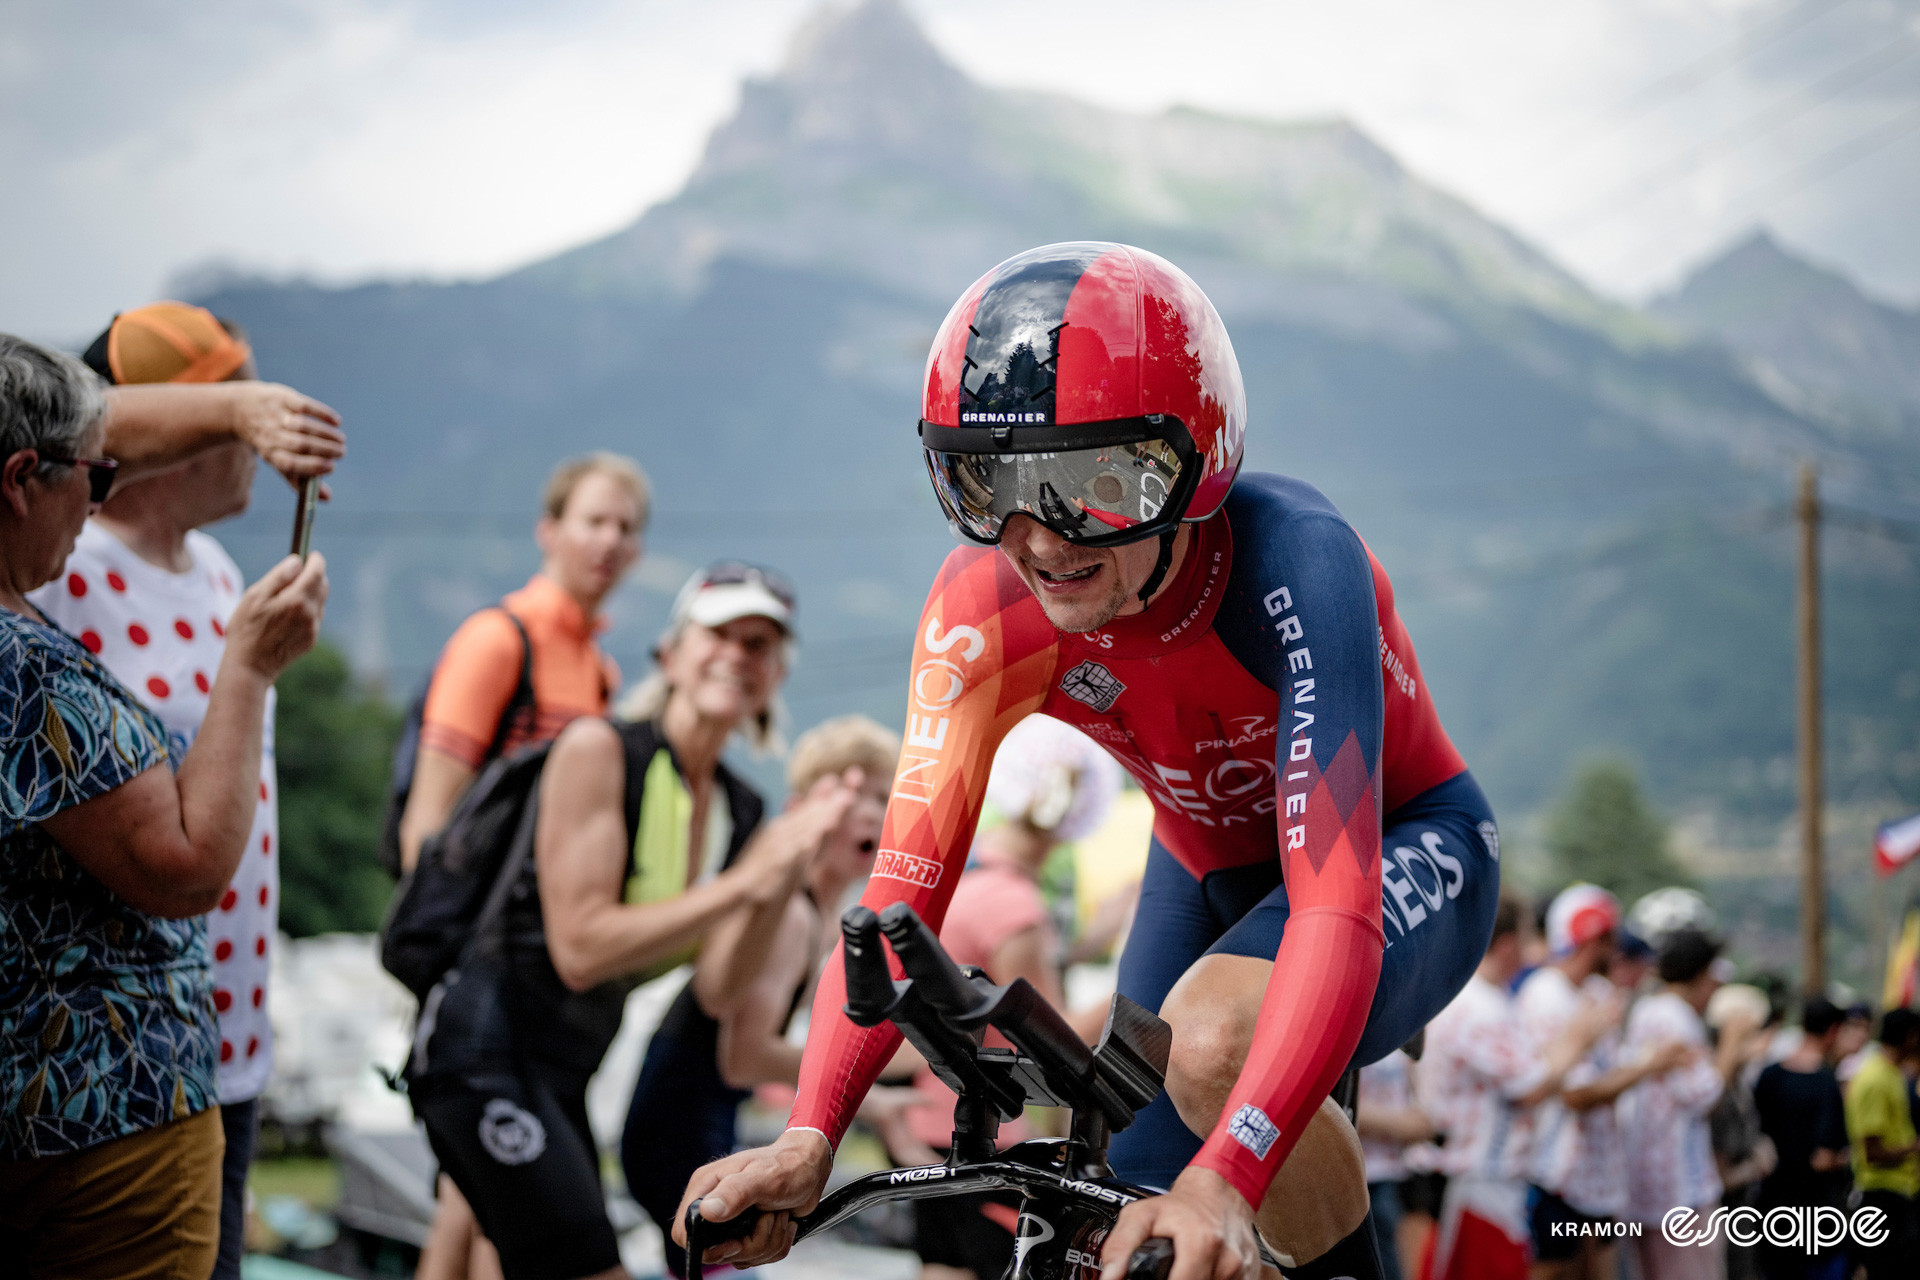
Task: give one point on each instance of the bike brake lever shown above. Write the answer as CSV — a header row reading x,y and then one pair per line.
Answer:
x,y
703,1235
1153,1260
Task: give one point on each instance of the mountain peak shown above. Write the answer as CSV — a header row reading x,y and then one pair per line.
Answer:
x,y
1808,323
861,75
874,37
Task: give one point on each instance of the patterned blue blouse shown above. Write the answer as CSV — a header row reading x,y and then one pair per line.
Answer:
x,y
107,1025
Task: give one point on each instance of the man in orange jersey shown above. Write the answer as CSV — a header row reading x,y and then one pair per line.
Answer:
x,y
589,533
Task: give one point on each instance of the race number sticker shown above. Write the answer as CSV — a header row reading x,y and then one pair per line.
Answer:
x,y
1252,1130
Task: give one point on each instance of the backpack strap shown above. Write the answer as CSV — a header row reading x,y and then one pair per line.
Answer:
x,y
485,925
522,700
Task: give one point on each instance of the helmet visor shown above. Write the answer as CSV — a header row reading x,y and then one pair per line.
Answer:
x,y
1100,494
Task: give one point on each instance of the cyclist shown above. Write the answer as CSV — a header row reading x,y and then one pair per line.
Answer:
x,y
1236,648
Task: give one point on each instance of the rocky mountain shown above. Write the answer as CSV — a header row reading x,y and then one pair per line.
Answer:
x,y
1809,335
1578,502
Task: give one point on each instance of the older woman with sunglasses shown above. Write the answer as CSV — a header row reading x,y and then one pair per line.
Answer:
x,y
113,841
647,848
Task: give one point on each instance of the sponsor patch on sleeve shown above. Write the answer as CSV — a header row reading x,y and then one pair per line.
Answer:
x,y
891,864
1252,1130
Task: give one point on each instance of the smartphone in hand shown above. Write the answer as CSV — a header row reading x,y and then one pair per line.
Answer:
x,y
303,516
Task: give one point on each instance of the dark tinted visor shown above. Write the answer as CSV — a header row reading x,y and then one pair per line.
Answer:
x,y
1098,484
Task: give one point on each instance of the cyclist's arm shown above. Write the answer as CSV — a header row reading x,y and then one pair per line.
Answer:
x,y
1325,660
978,670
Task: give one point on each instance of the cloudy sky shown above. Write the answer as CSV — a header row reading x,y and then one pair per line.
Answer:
x,y
347,139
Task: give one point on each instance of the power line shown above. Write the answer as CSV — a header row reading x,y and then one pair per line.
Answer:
x,y
1678,83
1768,120
1855,149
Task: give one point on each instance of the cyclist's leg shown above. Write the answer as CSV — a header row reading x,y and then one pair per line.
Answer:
x,y
1440,884
1177,919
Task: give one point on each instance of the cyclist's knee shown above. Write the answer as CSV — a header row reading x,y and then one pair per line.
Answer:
x,y
1213,1010
1320,1194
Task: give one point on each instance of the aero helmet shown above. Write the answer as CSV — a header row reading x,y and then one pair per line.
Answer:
x,y
1090,386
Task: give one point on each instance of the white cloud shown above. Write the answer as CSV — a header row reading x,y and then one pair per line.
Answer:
x,y
347,138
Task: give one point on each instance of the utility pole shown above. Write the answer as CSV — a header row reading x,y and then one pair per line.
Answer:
x,y
1813,883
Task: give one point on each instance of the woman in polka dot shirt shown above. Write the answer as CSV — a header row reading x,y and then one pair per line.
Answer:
x,y
114,843
149,594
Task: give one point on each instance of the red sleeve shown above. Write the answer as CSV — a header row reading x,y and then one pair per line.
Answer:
x,y
979,667
1328,669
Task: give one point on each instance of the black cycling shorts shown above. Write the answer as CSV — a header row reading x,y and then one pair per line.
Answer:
x,y
518,1146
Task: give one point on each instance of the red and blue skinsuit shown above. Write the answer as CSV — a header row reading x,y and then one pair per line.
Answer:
x,y
1270,704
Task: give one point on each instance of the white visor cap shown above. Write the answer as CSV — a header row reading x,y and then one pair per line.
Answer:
x,y
714,604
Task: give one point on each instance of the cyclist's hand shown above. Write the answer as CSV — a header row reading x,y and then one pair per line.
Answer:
x,y
783,1180
1210,1225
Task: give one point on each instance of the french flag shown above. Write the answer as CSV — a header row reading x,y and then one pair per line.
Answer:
x,y
1896,845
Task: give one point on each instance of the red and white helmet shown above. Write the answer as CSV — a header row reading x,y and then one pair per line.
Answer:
x,y
1088,385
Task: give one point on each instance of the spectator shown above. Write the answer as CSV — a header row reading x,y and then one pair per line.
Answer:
x,y
699,1068
1478,1079
1856,1041
593,512
645,845
1664,1118
1801,1113
1886,1155
1052,784
151,595
1388,1122
1631,962
1578,1165
110,1138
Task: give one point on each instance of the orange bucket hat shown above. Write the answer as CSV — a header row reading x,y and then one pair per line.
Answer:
x,y
167,342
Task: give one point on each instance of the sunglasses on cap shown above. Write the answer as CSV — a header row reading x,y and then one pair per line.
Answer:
x,y
1097,484
99,473
726,573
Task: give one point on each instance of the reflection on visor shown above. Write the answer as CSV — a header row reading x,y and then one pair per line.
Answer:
x,y
1079,494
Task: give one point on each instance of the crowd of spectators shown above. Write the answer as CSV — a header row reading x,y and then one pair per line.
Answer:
x,y
1590,1086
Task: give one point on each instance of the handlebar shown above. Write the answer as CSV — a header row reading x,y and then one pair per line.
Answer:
x,y
1016,1010
945,1010
1153,1260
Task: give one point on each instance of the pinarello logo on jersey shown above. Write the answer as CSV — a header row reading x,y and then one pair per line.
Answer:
x,y
891,864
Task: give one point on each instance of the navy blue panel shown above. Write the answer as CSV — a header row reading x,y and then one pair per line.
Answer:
x,y
1299,613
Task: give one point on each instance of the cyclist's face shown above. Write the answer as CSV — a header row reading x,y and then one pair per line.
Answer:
x,y
1081,588
596,538
728,672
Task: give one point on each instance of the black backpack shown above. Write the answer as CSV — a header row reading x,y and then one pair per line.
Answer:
x,y
407,750
459,888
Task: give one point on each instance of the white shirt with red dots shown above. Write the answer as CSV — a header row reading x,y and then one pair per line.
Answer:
x,y
161,634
